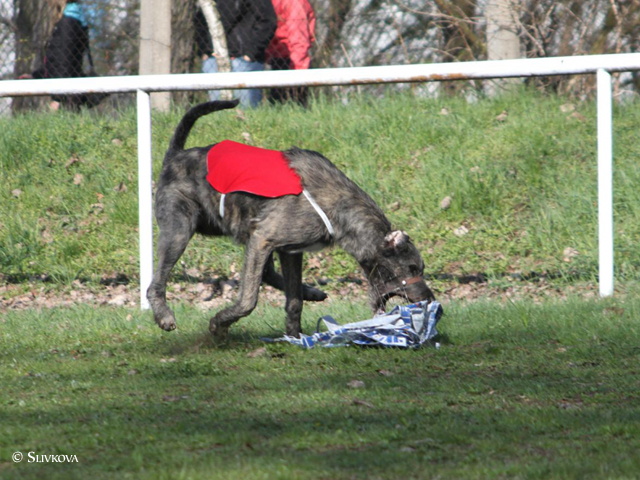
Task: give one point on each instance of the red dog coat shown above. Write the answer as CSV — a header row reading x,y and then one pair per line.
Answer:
x,y
234,167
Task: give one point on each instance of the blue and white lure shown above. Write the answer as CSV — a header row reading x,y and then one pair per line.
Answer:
x,y
408,326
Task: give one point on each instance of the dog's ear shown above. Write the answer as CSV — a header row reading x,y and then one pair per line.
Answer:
x,y
395,239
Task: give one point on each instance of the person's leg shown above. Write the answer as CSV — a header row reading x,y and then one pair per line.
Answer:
x,y
209,65
252,97
278,95
281,95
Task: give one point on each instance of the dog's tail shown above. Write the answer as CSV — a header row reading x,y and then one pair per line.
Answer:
x,y
186,124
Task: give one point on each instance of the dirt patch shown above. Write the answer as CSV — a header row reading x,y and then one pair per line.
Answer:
x,y
211,294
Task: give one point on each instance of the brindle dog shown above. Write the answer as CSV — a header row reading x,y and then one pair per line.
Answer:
x,y
187,204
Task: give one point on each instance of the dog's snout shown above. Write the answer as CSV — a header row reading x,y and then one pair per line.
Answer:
x,y
419,292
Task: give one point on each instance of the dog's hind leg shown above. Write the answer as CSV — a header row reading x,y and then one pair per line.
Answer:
x,y
176,229
292,273
271,277
257,253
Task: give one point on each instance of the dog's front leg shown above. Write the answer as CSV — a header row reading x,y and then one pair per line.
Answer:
x,y
257,253
175,232
292,273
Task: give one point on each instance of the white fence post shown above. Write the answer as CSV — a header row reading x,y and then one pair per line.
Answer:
x,y
605,183
145,195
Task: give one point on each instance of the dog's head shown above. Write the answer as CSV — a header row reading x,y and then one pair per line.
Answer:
x,y
397,270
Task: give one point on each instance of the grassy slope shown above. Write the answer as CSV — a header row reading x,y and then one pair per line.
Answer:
x,y
525,188
518,390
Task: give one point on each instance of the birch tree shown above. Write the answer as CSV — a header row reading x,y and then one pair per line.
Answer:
x,y
503,41
219,40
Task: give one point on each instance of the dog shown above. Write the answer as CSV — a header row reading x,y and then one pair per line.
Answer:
x,y
332,211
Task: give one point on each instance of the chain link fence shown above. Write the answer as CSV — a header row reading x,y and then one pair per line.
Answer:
x,y
347,33
37,41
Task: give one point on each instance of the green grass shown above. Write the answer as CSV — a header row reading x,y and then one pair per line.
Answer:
x,y
526,188
537,388
519,390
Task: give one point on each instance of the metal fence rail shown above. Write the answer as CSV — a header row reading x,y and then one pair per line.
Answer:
x,y
602,65
328,76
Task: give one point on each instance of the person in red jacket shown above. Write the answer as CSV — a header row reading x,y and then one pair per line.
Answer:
x,y
289,48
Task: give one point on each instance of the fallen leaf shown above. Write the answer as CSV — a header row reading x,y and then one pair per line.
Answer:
x,y
385,373
567,107
117,142
96,208
227,287
247,137
122,187
444,111
16,193
577,116
174,398
118,300
192,272
72,161
502,117
445,203
257,352
461,231
362,403
313,262
569,253
356,384
47,236
77,178
393,206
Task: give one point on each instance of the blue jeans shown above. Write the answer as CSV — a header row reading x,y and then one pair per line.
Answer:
x,y
248,98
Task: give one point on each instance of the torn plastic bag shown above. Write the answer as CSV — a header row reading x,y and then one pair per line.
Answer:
x,y
408,326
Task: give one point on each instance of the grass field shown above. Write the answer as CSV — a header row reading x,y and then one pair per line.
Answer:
x,y
518,390
540,384
523,188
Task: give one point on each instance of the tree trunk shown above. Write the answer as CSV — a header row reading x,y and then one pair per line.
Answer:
x,y
155,45
336,18
182,51
34,21
219,40
503,41
459,42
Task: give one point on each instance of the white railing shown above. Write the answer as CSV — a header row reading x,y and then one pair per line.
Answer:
x,y
601,65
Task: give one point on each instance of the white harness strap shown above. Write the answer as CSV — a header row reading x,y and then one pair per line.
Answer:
x,y
222,195
313,203
320,212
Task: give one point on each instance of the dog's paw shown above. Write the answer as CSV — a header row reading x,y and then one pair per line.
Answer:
x,y
168,323
312,294
219,332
